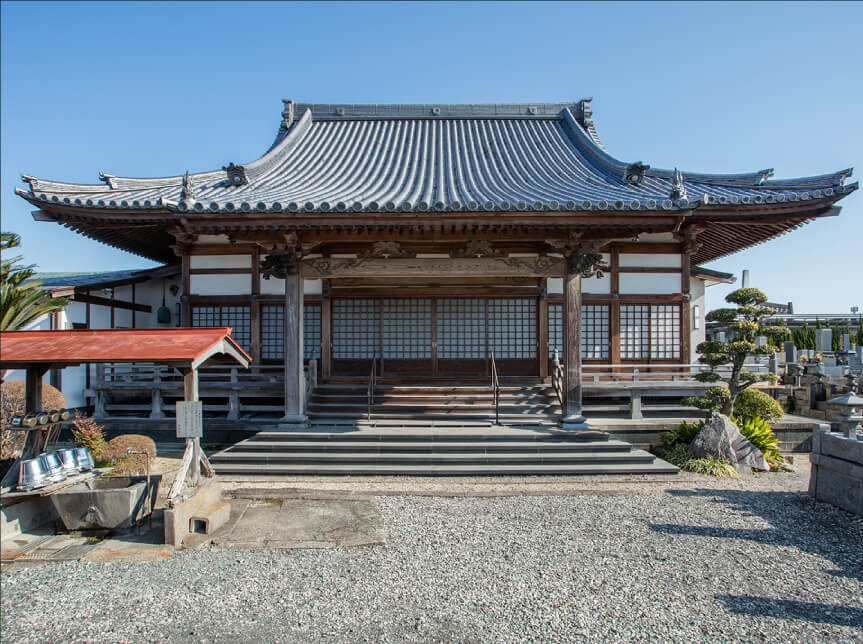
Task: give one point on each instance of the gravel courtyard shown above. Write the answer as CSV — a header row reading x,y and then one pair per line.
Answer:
x,y
749,561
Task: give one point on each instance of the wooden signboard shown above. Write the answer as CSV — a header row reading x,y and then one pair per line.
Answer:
x,y
190,419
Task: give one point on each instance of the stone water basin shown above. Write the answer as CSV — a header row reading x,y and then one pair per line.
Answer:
x,y
106,503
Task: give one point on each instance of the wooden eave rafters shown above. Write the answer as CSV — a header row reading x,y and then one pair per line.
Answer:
x,y
728,228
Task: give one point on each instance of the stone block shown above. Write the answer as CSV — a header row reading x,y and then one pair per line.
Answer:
x,y
25,515
823,340
210,518
837,482
178,518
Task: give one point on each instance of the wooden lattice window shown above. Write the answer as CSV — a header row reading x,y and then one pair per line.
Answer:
x,y
512,328
311,331
236,317
594,331
650,331
407,329
665,331
356,329
273,331
461,329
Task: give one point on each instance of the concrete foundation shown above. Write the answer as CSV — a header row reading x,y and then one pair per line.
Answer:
x,y
202,513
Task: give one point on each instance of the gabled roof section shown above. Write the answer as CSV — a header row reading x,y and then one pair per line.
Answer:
x,y
95,280
440,158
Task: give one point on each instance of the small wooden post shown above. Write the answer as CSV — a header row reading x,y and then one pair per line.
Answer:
x,y
99,398
33,388
234,396
156,404
294,384
190,391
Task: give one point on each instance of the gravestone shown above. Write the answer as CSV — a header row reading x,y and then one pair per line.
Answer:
x,y
846,342
790,352
761,341
823,340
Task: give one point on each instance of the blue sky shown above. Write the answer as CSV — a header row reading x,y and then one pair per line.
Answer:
x,y
158,88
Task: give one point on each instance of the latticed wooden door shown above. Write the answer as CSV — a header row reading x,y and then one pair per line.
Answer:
x,y
406,336
512,335
356,329
462,344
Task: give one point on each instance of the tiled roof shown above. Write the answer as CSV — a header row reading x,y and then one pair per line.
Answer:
x,y
53,281
446,158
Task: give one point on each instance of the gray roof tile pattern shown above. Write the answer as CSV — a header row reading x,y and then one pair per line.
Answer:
x,y
444,158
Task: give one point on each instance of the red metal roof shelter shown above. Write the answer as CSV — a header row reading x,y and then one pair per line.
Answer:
x,y
181,347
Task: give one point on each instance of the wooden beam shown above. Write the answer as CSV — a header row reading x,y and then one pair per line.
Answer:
x,y
404,267
347,282
111,302
435,292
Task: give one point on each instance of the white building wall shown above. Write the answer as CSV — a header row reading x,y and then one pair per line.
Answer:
x,y
649,283
696,317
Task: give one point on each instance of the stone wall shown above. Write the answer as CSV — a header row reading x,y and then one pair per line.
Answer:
x,y
837,470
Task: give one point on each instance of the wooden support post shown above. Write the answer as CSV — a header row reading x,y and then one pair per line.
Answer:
x,y
294,381
185,301
33,388
326,333
99,402
190,391
156,403
685,308
543,333
234,396
255,308
573,418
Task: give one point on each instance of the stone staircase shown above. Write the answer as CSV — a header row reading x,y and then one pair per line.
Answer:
x,y
444,404
443,429
435,452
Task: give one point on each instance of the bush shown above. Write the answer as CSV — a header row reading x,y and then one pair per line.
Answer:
x,y
12,402
711,466
124,463
683,434
751,403
760,434
86,432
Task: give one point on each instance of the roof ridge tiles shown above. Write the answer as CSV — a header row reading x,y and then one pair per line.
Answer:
x,y
346,111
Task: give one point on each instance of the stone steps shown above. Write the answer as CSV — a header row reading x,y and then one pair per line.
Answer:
x,y
430,452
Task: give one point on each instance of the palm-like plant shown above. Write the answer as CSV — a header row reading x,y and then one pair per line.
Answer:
x,y
21,299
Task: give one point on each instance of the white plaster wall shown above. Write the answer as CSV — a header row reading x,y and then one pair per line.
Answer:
x,y
649,283
272,286
220,261
696,317
657,238
597,285
213,239
221,284
650,260
312,287
150,293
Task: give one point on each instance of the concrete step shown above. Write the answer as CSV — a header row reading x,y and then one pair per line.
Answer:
x,y
488,437
436,446
430,458
548,469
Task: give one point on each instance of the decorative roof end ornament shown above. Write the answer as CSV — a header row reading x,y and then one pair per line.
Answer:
x,y
678,188
586,112
236,174
635,173
187,195
764,176
32,181
288,114
107,178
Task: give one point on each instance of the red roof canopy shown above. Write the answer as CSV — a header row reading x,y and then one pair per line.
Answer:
x,y
182,347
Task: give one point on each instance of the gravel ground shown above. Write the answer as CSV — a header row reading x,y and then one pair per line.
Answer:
x,y
746,561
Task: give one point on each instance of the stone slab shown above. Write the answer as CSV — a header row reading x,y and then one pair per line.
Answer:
x,y
838,446
833,481
306,523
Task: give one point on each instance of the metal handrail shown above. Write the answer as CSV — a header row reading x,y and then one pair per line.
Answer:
x,y
557,380
370,393
495,386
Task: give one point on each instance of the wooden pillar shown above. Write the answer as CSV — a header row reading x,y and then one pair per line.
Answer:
x,y
255,308
573,418
185,302
614,310
542,345
326,332
190,394
685,308
134,321
33,388
294,385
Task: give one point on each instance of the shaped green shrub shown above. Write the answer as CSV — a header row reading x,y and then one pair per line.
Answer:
x,y
760,433
751,403
683,434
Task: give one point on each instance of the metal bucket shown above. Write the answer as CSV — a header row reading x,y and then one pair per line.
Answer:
x,y
53,468
68,461
32,474
84,459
